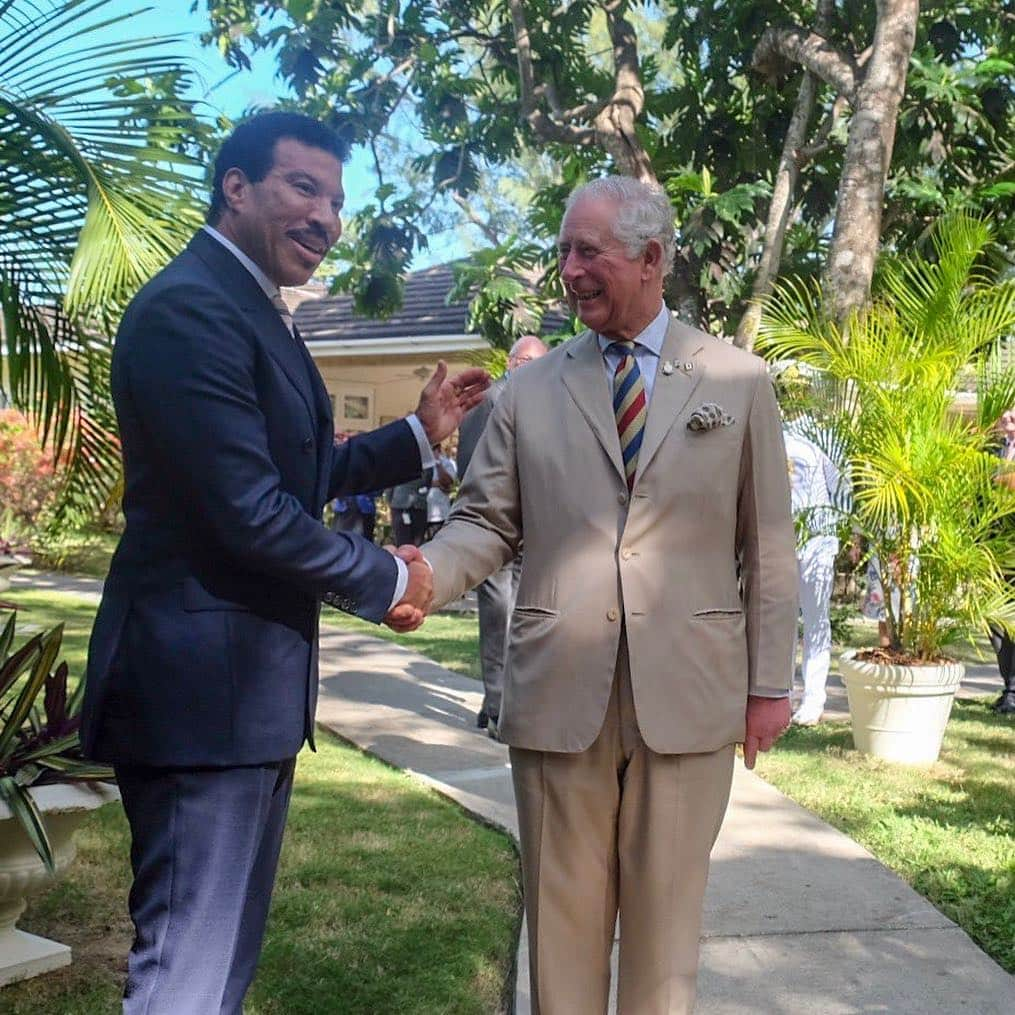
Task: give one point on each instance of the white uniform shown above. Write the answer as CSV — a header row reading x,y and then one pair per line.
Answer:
x,y
818,494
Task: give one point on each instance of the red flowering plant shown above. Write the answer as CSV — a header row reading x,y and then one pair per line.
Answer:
x,y
38,746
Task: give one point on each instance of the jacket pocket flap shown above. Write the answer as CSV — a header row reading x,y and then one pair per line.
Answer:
x,y
535,611
719,613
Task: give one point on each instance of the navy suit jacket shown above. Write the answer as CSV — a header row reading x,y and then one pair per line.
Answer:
x,y
204,650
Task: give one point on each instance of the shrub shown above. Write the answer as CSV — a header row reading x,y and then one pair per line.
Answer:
x,y
27,478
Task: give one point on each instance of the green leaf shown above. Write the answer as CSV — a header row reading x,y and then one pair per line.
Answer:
x,y
7,636
25,812
299,9
49,647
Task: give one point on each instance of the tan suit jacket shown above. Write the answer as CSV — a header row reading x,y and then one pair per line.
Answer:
x,y
664,561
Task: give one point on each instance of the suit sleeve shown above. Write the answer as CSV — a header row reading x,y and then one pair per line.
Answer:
x,y
484,530
383,458
191,376
766,548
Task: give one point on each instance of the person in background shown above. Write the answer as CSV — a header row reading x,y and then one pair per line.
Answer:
x,y
355,513
818,493
438,497
408,503
496,595
1004,647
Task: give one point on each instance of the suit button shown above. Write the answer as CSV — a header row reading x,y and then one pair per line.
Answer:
x,y
621,498
308,444
625,553
611,614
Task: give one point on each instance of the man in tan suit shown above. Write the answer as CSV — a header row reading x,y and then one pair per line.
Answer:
x,y
656,613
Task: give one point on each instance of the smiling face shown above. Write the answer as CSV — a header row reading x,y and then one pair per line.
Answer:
x,y
613,294
286,222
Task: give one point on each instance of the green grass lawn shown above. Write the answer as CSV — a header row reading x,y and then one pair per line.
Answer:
x,y
450,639
948,830
389,898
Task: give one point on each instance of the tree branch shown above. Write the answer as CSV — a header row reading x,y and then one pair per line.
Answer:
x,y
615,123
545,127
480,223
779,48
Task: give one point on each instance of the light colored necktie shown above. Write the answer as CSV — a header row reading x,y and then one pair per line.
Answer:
x,y
629,406
284,312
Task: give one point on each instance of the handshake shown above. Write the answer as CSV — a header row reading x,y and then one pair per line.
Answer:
x,y
411,610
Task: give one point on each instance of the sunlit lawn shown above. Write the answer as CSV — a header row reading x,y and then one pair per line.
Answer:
x,y
389,898
948,830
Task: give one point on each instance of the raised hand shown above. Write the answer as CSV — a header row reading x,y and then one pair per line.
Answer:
x,y
445,400
767,720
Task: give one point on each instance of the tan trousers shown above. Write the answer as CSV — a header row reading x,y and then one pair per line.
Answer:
x,y
615,825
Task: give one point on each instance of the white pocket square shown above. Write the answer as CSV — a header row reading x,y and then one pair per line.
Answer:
x,y
709,416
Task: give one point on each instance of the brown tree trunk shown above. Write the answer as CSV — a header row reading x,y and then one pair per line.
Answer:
x,y
782,195
868,155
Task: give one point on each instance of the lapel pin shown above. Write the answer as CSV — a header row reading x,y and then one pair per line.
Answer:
x,y
687,367
667,368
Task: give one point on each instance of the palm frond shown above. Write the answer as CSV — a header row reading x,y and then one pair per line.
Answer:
x,y
96,195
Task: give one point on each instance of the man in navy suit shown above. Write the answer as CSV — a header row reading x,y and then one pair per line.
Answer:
x,y
202,669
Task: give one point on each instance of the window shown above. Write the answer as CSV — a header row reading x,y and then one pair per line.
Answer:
x,y
353,407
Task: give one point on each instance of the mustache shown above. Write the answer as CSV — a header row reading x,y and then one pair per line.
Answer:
x,y
311,237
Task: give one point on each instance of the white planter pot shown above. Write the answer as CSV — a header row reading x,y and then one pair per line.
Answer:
x,y
63,806
899,713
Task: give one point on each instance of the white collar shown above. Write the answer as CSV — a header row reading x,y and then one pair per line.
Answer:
x,y
270,289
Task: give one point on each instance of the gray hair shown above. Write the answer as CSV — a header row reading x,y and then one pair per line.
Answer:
x,y
644,213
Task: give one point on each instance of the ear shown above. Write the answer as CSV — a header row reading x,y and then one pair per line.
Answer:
x,y
652,257
234,188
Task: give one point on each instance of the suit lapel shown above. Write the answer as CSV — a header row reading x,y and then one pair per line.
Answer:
x,y
672,391
325,423
242,287
584,377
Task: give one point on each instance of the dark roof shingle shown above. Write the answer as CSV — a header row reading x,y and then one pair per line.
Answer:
x,y
424,313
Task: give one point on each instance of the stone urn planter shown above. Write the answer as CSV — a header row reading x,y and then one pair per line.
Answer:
x,y
63,807
899,713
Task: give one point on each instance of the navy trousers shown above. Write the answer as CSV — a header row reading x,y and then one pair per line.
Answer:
x,y
205,846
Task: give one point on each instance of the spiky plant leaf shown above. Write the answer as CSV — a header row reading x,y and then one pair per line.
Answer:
x,y
25,812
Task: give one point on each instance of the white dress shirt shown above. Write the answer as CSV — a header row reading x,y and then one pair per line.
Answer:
x,y
272,291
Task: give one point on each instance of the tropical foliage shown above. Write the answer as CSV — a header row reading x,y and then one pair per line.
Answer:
x,y
925,477
38,746
96,174
483,113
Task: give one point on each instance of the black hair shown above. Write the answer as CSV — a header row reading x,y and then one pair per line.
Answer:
x,y
251,147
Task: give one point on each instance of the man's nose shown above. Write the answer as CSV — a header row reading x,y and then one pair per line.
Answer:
x,y
569,269
324,216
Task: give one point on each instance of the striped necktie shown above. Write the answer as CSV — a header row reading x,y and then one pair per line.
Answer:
x,y
284,312
629,406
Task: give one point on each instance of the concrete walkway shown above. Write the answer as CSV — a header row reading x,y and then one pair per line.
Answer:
x,y
798,917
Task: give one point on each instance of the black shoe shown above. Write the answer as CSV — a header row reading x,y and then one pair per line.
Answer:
x,y
482,720
1005,705
493,730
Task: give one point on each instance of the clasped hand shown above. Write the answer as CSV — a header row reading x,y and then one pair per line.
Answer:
x,y
411,610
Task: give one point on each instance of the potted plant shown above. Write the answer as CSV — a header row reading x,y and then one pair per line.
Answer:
x,y
925,477
46,788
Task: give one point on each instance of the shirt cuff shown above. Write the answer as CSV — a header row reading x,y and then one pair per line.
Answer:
x,y
401,582
768,692
426,455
